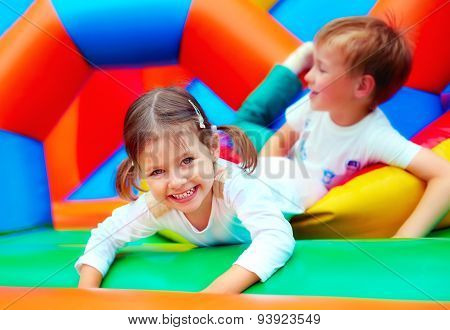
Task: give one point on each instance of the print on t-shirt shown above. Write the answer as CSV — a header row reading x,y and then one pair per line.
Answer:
x,y
302,153
353,165
328,177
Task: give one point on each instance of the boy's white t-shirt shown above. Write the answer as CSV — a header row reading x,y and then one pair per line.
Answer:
x,y
326,154
242,212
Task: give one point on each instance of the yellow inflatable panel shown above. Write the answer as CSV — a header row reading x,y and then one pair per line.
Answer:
x,y
174,236
372,205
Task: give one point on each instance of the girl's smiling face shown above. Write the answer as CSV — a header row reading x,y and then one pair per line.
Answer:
x,y
180,173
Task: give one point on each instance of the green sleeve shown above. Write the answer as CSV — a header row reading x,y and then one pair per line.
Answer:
x,y
263,106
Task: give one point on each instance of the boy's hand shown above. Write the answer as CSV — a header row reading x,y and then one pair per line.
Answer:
x,y
280,143
300,59
435,202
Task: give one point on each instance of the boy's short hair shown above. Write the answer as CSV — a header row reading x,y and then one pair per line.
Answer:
x,y
371,46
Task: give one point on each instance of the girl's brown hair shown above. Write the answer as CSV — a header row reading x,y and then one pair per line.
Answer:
x,y
169,112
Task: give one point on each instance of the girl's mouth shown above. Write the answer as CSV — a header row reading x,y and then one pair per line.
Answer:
x,y
185,196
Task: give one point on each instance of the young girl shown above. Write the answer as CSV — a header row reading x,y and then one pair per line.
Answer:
x,y
173,147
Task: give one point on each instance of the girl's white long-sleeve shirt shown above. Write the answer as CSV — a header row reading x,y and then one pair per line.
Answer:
x,y
243,211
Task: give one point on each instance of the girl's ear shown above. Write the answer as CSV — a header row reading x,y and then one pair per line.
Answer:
x,y
215,146
365,87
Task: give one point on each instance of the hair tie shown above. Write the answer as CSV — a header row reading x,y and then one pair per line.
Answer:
x,y
199,115
214,128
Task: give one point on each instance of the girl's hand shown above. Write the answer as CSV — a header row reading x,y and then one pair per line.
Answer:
x,y
234,280
89,277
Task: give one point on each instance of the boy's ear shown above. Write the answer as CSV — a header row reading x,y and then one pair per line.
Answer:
x,y
365,87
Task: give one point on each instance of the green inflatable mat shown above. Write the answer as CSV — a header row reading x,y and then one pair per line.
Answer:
x,y
406,269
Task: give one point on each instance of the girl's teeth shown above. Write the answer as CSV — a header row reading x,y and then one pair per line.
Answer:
x,y
185,194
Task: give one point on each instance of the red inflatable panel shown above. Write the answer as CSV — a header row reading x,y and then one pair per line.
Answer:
x,y
429,34
435,133
91,130
41,72
103,104
166,76
60,155
231,47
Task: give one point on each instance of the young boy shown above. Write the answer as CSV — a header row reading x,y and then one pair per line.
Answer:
x,y
357,63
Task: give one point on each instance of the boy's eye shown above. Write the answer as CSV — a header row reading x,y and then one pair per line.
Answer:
x,y
319,67
187,160
156,172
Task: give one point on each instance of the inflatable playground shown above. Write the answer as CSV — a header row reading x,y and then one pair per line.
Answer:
x,y
70,69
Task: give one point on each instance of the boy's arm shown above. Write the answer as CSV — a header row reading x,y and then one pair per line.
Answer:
x,y
234,280
435,202
280,143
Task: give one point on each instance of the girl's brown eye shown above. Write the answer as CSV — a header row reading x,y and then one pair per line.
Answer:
x,y
156,172
187,160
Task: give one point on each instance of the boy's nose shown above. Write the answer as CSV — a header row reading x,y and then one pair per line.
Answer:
x,y
309,76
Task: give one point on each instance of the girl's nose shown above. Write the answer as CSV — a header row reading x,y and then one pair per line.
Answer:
x,y
177,181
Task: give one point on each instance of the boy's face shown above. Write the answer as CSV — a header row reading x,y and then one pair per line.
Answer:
x,y
332,87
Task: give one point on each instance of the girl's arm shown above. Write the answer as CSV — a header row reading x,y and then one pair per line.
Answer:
x,y
272,241
280,143
234,280
435,202
127,223
89,277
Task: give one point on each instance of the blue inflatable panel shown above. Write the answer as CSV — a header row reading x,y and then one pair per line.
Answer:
x,y
101,184
24,194
217,111
10,11
132,33
446,89
410,110
445,98
305,17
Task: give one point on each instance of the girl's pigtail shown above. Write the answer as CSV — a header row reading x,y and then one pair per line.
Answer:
x,y
126,180
243,146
